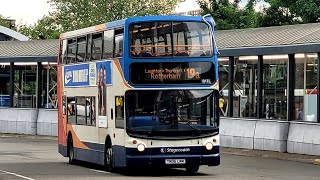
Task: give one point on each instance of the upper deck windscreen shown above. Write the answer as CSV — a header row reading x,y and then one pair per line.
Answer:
x,y
168,39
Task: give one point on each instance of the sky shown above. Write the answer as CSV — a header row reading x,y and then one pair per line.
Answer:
x,y
24,11
30,11
193,5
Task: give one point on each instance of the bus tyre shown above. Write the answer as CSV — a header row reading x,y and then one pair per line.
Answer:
x,y
108,157
71,151
192,169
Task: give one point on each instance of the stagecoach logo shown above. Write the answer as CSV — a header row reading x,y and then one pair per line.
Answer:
x,y
174,150
68,77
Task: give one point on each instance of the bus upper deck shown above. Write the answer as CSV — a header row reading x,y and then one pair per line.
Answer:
x,y
159,40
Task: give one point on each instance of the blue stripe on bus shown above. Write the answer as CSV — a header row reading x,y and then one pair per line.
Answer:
x,y
97,157
94,146
63,150
92,156
194,150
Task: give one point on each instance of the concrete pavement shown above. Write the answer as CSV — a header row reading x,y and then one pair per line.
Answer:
x,y
35,157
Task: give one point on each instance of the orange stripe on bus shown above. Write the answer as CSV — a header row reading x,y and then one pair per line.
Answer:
x,y
76,141
100,27
215,85
117,63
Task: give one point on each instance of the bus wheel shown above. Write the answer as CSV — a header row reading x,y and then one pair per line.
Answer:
x,y
108,157
71,151
192,169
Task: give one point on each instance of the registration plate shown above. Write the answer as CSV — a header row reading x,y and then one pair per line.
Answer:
x,y
175,161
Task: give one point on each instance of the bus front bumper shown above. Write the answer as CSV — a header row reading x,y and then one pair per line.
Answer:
x,y
174,160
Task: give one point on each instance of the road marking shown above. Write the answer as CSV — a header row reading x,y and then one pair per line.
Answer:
x,y
105,172
17,175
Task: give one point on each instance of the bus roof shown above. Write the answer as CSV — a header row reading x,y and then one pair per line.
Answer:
x,y
164,18
120,23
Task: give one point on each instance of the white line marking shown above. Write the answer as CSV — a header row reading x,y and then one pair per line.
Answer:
x,y
17,175
105,172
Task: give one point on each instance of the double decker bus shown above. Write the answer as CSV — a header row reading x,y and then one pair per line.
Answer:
x,y
140,92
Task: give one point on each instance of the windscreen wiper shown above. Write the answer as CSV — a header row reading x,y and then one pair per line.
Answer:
x,y
192,126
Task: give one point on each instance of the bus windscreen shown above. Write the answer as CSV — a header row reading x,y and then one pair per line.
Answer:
x,y
170,39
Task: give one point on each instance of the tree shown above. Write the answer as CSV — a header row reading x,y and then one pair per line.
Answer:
x,y
76,14
45,28
229,16
276,15
5,22
307,10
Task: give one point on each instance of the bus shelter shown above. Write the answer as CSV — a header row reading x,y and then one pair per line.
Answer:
x,y
28,73
272,72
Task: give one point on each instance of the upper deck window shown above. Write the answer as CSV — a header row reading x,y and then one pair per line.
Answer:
x,y
167,39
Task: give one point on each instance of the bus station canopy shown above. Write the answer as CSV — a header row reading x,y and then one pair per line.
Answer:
x,y
29,51
290,39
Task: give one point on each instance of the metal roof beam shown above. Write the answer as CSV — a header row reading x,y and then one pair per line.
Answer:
x,y
270,50
29,59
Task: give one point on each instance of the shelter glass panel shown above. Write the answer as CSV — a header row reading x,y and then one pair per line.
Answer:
x,y
223,85
244,99
306,87
275,75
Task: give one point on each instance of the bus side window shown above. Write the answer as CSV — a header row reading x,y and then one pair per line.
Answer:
x,y
89,47
108,44
63,55
81,110
71,110
81,49
118,45
71,50
119,111
93,111
64,105
96,46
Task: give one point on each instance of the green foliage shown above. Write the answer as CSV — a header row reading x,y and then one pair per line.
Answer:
x,y
45,28
276,16
5,22
229,16
279,12
75,14
292,11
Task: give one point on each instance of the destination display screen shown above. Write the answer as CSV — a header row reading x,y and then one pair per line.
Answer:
x,y
172,73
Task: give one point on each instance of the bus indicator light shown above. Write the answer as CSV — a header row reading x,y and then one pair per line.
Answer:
x,y
134,142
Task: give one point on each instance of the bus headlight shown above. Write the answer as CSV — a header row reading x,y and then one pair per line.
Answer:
x,y
141,147
209,146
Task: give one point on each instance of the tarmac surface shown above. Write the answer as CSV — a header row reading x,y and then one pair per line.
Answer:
x,y
36,157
